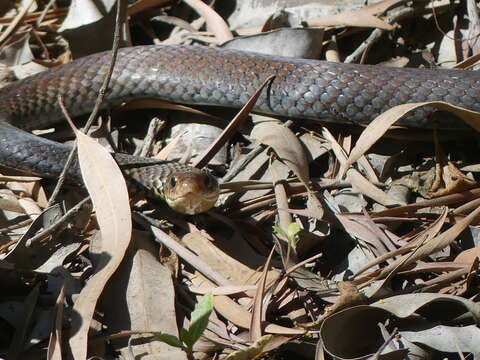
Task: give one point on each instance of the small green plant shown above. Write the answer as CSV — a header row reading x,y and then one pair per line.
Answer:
x,y
291,236
198,324
292,231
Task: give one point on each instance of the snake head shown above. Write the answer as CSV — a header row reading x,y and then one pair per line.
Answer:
x,y
191,192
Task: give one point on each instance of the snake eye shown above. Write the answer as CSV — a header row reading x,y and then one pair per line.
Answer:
x,y
173,181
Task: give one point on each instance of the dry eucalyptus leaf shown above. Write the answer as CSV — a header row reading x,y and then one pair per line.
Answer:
x,y
350,18
90,19
106,186
408,304
301,43
377,128
286,145
451,339
215,23
354,333
141,296
86,12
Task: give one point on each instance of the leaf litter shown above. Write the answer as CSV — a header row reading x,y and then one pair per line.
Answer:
x,y
309,247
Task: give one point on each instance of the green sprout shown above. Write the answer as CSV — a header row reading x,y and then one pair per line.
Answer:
x,y
291,236
198,324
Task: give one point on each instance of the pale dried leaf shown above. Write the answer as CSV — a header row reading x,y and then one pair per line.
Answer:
x,y
356,178
222,290
190,257
257,311
233,261
19,178
381,6
407,304
154,103
85,12
433,245
215,23
55,342
303,43
468,256
165,152
377,128
241,317
251,352
30,207
286,145
358,18
18,54
362,323
10,203
106,186
141,296
431,231
362,185
314,146
449,339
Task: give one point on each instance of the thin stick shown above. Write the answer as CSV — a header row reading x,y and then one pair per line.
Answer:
x,y
231,127
62,222
14,24
96,109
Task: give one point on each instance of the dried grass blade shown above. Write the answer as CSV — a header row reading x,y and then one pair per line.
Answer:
x,y
189,257
434,245
257,312
54,351
424,236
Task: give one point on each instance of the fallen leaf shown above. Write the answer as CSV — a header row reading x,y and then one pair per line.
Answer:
x,y
377,128
106,186
468,256
251,352
286,145
215,23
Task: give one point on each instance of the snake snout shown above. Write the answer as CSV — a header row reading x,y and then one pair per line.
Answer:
x,y
191,192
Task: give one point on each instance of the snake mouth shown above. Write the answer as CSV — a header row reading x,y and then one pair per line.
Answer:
x,y
191,192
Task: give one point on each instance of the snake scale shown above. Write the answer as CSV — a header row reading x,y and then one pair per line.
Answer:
x,y
310,89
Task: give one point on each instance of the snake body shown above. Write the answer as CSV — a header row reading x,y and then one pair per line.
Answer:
x,y
344,93
208,76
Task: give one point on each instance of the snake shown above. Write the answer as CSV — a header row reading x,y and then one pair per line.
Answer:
x,y
198,75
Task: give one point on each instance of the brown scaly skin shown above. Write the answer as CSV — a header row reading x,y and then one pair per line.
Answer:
x,y
312,89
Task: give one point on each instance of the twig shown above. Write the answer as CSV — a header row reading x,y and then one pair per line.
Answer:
x,y
33,16
239,166
68,164
63,221
232,126
98,103
294,186
44,12
376,35
153,128
5,230
13,25
387,341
